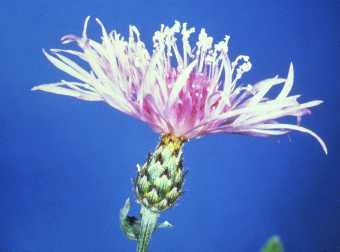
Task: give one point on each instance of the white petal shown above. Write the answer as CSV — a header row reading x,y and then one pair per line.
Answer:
x,y
288,84
85,27
68,66
59,88
180,82
267,115
297,128
262,89
72,52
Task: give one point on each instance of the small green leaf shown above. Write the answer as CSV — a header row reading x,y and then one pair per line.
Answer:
x,y
129,224
165,224
273,245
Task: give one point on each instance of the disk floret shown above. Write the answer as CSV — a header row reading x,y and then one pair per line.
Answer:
x,y
159,182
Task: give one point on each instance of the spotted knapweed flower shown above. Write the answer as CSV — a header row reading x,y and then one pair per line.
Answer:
x,y
182,92
176,89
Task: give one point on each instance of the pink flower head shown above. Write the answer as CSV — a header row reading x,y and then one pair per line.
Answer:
x,y
177,89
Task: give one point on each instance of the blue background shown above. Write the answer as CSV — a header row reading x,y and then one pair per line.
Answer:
x,y
66,164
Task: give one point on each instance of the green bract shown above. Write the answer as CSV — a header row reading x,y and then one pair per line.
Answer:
x,y
159,183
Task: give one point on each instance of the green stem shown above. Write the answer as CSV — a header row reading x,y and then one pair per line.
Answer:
x,y
148,225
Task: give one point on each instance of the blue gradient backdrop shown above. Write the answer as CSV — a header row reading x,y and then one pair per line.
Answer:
x,y
66,165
